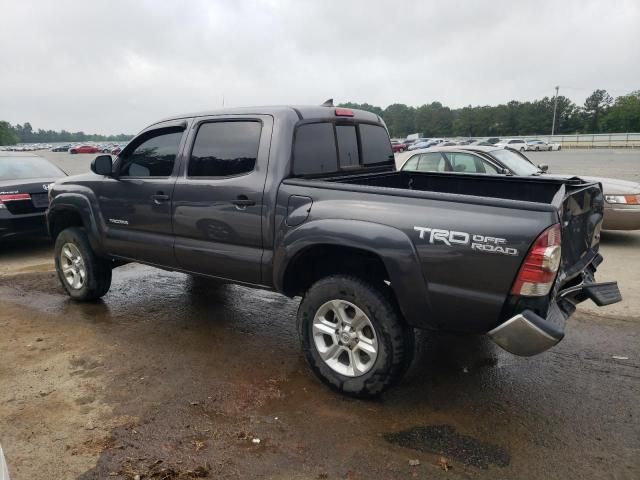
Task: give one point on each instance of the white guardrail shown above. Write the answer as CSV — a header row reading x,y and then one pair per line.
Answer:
x,y
596,140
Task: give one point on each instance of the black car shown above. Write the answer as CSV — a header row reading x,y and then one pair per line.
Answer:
x,y
24,186
61,148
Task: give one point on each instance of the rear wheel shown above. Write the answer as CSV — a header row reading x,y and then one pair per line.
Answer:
x,y
83,275
353,337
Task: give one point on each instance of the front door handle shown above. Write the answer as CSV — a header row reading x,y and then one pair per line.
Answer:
x,y
159,198
243,202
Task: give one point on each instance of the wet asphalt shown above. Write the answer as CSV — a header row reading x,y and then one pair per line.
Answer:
x,y
201,369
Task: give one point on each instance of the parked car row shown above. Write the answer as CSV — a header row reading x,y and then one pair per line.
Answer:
x,y
112,149
522,145
73,148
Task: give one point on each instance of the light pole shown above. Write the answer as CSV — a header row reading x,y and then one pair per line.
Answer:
x,y
555,106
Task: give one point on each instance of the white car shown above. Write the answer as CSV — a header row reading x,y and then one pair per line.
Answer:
x,y
541,145
515,143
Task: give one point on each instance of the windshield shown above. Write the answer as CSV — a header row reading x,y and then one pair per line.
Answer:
x,y
515,162
17,168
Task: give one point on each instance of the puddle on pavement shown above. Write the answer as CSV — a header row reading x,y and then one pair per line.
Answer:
x,y
444,440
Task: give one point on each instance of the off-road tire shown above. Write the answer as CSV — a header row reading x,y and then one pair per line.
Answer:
x,y
395,339
98,270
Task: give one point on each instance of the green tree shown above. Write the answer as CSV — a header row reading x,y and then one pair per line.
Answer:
x,y
624,115
433,120
7,134
400,119
595,107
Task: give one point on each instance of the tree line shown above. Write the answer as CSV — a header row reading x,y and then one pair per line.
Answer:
x,y
599,114
10,135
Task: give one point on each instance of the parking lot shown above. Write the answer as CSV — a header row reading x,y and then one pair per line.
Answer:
x,y
171,377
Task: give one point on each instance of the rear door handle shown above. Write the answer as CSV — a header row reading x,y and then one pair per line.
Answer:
x,y
159,198
243,202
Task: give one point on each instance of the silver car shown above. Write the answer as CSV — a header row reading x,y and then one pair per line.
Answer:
x,y
622,198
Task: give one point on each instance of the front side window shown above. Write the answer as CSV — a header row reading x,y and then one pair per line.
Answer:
x,y
154,157
224,149
514,162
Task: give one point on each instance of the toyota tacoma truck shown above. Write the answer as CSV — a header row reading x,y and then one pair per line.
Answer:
x,y
306,201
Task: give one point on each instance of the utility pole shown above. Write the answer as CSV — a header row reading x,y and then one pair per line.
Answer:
x,y
555,107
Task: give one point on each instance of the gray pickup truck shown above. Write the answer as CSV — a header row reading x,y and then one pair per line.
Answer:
x,y
306,201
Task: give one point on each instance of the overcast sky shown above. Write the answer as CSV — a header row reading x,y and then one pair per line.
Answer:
x,y
109,66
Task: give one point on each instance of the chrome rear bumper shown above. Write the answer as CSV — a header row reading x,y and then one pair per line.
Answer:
x,y
526,334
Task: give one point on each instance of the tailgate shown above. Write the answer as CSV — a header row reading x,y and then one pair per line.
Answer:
x,y
581,217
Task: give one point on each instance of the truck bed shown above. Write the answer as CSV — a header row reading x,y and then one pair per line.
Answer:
x,y
544,193
530,189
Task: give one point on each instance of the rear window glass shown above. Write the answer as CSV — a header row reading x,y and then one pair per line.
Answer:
x,y
376,147
17,168
315,149
347,145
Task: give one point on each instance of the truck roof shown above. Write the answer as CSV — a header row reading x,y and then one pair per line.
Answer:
x,y
303,112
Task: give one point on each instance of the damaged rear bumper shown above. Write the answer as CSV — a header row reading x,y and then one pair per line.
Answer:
x,y
527,333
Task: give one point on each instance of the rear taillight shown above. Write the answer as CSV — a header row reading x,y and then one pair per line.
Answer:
x,y
539,269
13,197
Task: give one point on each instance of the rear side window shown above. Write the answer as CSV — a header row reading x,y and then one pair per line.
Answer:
x,y
224,149
347,146
376,147
411,164
432,162
315,149
154,157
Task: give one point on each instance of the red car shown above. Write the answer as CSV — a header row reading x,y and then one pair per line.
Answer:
x,y
397,146
84,149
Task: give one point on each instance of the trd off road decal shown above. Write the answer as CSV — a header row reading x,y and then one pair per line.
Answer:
x,y
475,241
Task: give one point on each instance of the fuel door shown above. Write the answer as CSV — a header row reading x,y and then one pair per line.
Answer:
x,y
298,209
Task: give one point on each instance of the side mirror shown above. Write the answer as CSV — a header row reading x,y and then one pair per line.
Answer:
x,y
543,166
102,165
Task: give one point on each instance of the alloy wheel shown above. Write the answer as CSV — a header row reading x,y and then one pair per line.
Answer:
x,y
72,266
345,338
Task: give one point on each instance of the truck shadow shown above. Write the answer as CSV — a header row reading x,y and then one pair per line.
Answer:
x,y
620,238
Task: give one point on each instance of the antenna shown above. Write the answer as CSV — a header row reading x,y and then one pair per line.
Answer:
x,y
328,103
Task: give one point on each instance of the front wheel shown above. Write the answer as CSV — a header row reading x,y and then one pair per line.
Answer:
x,y
83,275
353,336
